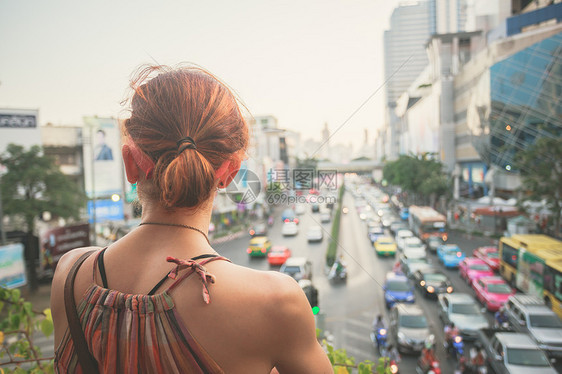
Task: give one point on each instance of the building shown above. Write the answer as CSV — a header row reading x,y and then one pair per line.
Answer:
x,y
64,145
19,126
448,16
484,97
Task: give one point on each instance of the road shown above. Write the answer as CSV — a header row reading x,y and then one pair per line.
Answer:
x,y
349,309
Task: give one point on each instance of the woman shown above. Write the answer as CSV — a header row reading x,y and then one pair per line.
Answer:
x,y
143,304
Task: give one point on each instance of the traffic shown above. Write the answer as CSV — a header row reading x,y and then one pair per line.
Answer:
x,y
439,299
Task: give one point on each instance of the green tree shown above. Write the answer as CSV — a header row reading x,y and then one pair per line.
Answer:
x,y
34,184
540,166
421,176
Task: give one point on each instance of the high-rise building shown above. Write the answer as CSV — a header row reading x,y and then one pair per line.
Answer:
x,y
404,47
448,16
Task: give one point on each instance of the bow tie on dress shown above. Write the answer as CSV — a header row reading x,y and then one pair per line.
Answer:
x,y
205,276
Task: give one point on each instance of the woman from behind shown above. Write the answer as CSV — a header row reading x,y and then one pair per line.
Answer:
x,y
161,300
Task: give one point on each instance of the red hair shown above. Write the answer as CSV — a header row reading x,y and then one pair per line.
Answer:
x,y
175,104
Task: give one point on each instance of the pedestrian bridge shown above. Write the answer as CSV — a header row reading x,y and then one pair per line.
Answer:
x,y
355,166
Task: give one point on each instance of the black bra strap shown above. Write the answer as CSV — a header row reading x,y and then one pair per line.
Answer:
x,y
101,267
155,288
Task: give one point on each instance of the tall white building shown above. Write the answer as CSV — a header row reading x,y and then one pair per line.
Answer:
x,y
404,59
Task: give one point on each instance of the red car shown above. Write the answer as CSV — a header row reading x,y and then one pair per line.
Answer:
x,y
489,255
493,292
472,268
278,255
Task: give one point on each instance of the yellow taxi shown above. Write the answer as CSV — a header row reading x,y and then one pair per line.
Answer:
x,y
259,246
385,246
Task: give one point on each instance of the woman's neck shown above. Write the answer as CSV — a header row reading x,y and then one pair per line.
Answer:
x,y
198,218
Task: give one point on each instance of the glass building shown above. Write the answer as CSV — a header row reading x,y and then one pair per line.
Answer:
x,y
524,103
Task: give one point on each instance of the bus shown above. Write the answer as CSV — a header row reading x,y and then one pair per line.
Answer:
x,y
425,222
531,269
510,250
553,285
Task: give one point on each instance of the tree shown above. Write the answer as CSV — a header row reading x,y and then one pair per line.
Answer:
x,y
34,184
540,166
422,176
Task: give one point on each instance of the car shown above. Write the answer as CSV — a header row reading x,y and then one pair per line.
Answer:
x,y
388,219
408,328
450,255
315,208
385,246
493,292
259,229
410,265
489,255
433,242
314,234
462,310
472,268
374,233
259,246
300,210
529,314
432,282
513,352
289,215
289,229
278,255
397,289
397,225
325,217
401,235
413,247
298,268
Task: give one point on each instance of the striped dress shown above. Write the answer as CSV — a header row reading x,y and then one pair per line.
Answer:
x,y
143,333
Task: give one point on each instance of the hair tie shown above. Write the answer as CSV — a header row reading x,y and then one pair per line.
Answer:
x,y
186,143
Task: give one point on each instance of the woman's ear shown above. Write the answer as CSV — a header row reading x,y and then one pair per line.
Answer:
x,y
227,171
131,167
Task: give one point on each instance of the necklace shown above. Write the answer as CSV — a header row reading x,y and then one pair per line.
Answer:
x,y
177,225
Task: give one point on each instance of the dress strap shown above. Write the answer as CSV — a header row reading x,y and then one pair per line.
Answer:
x,y
98,263
194,267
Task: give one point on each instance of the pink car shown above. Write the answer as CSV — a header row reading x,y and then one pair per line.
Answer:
x,y
489,255
472,268
493,292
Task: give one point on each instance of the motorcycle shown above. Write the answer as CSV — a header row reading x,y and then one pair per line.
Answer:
x,y
270,221
337,276
432,369
379,340
455,348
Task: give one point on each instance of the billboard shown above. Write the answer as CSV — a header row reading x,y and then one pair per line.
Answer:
x,y
12,266
103,168
56,242
106,210
19,126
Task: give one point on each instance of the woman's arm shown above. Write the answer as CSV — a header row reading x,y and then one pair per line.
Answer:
x,y
297,349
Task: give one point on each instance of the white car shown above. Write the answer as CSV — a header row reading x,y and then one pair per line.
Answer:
x,y
414,252
414,243
289,229
314,234
300,210
325,217
401,235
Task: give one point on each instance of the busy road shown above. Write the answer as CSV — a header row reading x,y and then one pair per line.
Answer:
x,y
347,310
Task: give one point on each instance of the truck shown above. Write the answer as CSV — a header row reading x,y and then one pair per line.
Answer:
x,y
510,352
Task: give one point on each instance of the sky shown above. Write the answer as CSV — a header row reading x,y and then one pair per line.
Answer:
x,y
305,62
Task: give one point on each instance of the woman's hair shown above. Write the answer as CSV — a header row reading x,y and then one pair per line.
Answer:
x,y
179,103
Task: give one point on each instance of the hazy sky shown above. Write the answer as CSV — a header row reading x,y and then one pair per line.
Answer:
x,y
305,62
